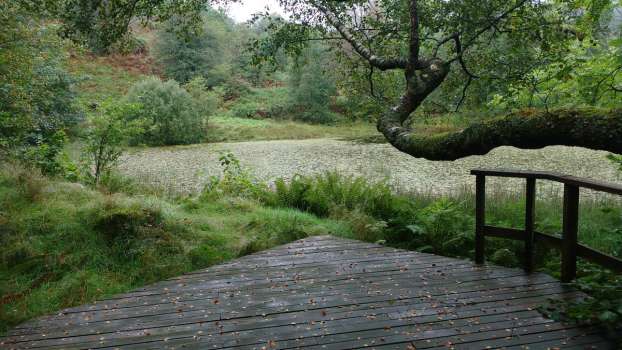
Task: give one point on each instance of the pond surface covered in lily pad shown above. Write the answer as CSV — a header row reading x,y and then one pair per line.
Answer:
x,y
187,168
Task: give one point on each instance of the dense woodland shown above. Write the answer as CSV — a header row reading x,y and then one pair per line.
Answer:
x,y
81,83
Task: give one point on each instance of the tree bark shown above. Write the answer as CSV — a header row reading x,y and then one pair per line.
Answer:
x,y
594,129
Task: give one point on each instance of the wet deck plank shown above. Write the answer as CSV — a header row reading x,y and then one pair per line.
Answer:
x,y
322,293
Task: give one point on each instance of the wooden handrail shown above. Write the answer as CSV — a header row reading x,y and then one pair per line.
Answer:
x,y
601,186
567,243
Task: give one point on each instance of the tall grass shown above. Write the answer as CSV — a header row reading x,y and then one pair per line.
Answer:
x,y
65,244
329,194
445,226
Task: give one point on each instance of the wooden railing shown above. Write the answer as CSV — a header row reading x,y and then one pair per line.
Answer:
x,y
567,242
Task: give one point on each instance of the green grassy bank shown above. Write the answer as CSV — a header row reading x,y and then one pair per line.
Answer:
x,y
66,244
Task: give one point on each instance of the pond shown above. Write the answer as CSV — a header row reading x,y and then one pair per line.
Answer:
x,y
188,168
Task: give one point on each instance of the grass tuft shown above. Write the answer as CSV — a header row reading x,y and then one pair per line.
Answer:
x,y
65,244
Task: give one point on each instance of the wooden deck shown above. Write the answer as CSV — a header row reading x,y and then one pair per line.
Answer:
x,y
323,293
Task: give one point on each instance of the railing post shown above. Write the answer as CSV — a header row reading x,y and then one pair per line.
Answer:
x,y
480,217
569,235
530,208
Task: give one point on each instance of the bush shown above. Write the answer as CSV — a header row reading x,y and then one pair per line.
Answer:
x,y
616,159
262,103
605,306
169,113
234,89
207,101
323,194
443,228
235,181
43,153
106,136
129,44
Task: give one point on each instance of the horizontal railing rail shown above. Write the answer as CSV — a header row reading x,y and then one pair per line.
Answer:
x,y
567,242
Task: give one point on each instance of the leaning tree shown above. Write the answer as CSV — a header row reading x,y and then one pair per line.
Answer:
x,y
483,39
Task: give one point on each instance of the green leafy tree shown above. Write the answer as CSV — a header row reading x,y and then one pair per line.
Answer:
x,y
486,41
312,86
37,98
106,137
243,58
101,24
365,92
589,76
204,53
16,72
170,115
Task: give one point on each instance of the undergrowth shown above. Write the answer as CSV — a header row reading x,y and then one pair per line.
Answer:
x,y
445,226
67,244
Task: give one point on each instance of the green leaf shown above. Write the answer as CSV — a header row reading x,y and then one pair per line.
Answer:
x,y
416,230
607,316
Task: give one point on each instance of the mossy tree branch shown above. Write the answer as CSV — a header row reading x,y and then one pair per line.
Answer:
x,y
595,129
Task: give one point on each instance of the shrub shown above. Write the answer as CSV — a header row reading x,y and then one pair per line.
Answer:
x,y
262,103
207,101
605,305
169,113
443,228
106,136
616,159
323,194
235,181
43,153
233,89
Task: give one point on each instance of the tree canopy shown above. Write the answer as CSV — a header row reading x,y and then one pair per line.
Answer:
x,y
100,24
462,46
492,41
